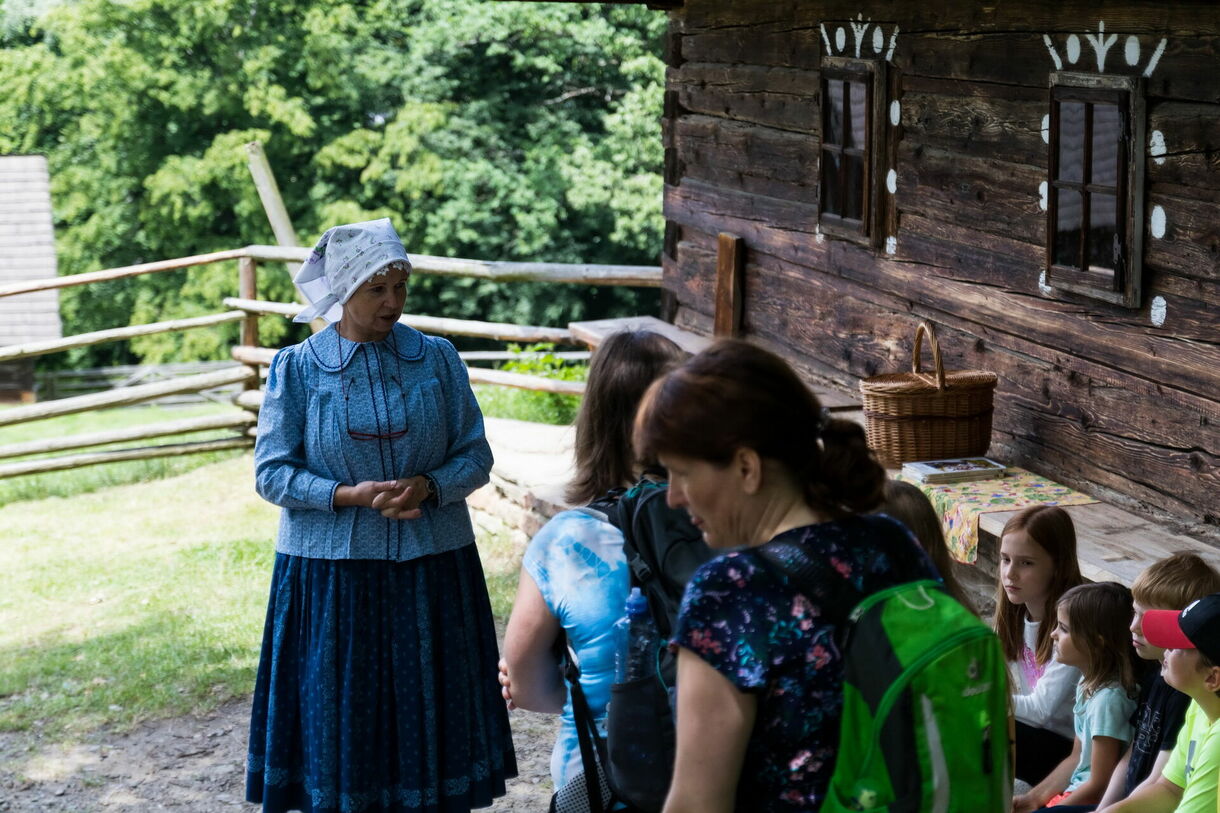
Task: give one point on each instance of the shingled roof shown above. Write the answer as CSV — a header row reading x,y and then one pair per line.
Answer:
x,y
27,249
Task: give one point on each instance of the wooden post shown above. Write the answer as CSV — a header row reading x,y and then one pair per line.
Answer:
x,y
277,214
247,288
730,274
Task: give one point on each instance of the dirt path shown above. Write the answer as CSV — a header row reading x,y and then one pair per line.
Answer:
x,y
197,764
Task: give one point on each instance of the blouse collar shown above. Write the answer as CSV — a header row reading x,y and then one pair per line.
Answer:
x,y
332,352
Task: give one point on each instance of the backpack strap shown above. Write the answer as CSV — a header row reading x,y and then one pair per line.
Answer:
x,y
591,745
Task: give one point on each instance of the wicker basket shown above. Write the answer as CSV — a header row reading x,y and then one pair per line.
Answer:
x,y
921,416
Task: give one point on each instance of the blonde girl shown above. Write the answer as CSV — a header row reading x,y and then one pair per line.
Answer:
x,y
1037,566
1092,635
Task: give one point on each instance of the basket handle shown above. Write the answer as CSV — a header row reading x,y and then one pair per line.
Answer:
x,y
916,365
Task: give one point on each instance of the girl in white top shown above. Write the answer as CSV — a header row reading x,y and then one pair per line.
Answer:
x,y
1037,565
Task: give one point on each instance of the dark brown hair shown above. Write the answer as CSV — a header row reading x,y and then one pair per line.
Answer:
x,y
1052,529
1175,581
910,506
623,366
1099,620
735,395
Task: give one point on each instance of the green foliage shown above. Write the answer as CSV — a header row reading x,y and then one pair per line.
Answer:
x,y
505,131
530,405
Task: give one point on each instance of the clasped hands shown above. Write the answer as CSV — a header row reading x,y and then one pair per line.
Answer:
x,y
395,499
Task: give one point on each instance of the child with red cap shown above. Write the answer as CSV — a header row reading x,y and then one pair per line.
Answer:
x,y
1191,640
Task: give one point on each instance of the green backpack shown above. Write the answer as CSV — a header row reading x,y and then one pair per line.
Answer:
x,y
925,707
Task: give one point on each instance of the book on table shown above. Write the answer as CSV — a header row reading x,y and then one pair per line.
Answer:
x,y
953,470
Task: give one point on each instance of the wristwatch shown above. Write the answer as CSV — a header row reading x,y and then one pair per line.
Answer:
x,y
431,493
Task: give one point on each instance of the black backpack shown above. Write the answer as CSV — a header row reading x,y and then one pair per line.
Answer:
x,y
663,550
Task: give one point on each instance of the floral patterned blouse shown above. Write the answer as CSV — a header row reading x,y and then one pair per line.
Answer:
x,y
741,616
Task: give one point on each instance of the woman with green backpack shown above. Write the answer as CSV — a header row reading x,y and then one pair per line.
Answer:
x,y
783,490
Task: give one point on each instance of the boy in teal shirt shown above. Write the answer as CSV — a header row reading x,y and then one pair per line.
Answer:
x,y
1191,638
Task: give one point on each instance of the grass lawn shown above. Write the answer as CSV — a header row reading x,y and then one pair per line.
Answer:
x,y
144,600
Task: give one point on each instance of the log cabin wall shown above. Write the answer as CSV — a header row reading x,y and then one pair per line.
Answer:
x,y
1120,402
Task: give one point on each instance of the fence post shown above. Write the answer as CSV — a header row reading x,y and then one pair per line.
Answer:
x,y
247,288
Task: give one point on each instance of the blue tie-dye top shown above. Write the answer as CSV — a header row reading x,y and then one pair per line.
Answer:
x,y
577,561
741,616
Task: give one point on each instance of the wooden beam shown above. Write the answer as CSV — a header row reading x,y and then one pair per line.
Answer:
x,y
251,400
433,324
595,331
119,455
269,194
156,430
730,277
125,395
29,286
647,276
264,355
482,375
17,351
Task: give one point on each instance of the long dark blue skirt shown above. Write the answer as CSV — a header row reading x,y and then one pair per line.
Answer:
x,y
376,688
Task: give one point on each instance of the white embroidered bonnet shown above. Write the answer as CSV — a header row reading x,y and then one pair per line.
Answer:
x,y
343,259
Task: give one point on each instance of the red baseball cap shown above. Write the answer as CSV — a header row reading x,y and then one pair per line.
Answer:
x,y
1196,627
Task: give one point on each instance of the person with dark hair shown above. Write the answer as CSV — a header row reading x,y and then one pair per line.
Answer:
x,y
910,506
753,458
574,577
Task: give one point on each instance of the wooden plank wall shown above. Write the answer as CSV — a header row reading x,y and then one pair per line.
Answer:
x,y
1094,395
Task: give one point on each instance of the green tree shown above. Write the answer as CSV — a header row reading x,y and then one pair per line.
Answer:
x,y
521,131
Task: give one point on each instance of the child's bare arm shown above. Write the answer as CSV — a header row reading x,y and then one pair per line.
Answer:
x,y
1158,796
1106,752
1118,782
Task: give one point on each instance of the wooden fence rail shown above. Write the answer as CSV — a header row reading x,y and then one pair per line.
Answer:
x,y
242,420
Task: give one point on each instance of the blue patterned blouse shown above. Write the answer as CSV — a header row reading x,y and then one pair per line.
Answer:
x,y
741,616
337,412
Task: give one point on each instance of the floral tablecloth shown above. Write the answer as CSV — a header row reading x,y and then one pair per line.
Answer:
x,y
959,504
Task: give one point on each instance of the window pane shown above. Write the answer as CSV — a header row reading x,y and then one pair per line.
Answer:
x,y
1103,232
1071,141
831,200
859,113
832,112
1067,228
1107,135
853,193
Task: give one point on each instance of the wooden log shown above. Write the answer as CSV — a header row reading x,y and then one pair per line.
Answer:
x,y
767,43
30,286
252,355
758,159
124,396
503,378
144,453
264,355
247,288
594,332
84,441
646,276
251,400
976,119
730,283
776,97
273,203
433,324
1189,167
28,349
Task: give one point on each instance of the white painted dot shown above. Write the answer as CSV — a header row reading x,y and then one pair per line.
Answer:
x,y
1042,286
841,38
1156,146
1157,312
891,245
1042,196
1158,222
895,113
1046,129
1132,50
891,181
878,39
1073,48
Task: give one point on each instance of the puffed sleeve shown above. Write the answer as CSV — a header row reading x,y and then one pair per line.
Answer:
x,y
281,475
468,457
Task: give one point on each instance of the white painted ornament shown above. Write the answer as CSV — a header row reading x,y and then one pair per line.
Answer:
x,y
1157,312
1156,146
1158,223
1042,188
891,245
1042,286
878,40
840,38
895,113
1073,49
1132,50
891,181
1046,129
